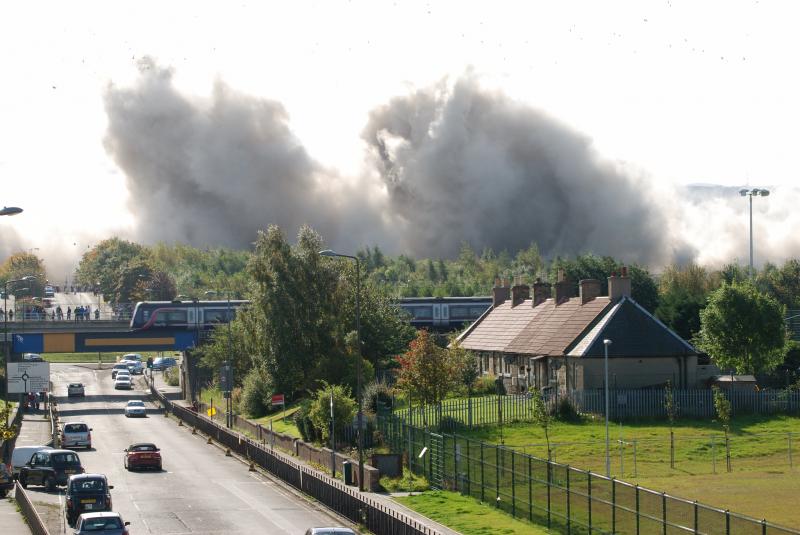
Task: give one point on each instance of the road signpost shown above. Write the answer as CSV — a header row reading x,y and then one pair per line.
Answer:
x,y
24,377
278,399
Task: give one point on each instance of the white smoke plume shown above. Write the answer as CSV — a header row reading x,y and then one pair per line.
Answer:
x,y
449,164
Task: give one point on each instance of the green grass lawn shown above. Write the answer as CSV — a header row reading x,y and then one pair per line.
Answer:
x,y
467,515
282,422
758,486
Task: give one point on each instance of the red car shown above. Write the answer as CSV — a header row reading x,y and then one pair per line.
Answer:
x,y
142,455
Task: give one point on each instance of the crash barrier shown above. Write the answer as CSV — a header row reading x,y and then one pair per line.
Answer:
x,y
347,502
35,522
559,496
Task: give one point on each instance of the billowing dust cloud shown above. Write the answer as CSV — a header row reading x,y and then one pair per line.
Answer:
x,y
445,165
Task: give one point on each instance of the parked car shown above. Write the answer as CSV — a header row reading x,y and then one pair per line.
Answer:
x,y
123,382
75,389
86,492
135,367
142,455
75,435
6,480
21,455
120,366
330,531
50,468
32,357
101,524
135,407
162,363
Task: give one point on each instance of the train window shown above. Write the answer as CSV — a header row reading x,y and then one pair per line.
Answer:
x,y
217,316
422,313
171,316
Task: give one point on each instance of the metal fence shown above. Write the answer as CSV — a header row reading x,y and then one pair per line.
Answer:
x,y
559,496
623,405
349,503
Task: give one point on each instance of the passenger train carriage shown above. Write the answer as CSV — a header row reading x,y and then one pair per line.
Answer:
x,y
183,314
444,313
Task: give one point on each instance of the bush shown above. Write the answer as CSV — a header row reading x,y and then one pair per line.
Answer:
x,y
256,394
485,385
448,423
376,394
566,412
171,376
344,407
409,482
304,423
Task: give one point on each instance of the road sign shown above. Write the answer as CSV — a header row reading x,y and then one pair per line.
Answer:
x,y
28,377
277,399
212,411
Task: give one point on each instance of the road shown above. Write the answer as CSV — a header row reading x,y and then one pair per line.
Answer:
x,y
200,490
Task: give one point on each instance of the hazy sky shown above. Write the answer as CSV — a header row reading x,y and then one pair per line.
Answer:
x,y
677,92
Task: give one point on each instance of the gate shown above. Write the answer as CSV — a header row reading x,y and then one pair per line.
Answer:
x,y
436,460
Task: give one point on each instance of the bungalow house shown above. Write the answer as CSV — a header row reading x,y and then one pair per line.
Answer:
x,y
553,339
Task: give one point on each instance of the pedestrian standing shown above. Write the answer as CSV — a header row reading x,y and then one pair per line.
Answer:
x,y
10,315
69,313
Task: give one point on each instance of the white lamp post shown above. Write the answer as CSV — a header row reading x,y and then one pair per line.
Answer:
x,y
607,343
749,193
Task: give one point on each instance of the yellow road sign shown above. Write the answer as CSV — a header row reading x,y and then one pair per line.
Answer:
x,y
212,411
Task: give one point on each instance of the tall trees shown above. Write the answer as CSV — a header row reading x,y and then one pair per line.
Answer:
x,y
102,265
25,264
427,371
743,329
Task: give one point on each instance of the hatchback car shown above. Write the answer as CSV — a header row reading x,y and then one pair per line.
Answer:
x,y
142,455
101,523
32,357
6,480
135,367
75,389
131,356
135,407
123,382
86,492
162,363
76,435
116,369
50,468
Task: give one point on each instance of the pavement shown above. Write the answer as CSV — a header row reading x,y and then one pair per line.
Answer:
x,y
35,430
385,499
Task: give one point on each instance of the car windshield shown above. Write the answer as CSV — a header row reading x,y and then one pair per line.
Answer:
x,y
88,485
101,524
75,385
142,447
136,404
65,458
76,428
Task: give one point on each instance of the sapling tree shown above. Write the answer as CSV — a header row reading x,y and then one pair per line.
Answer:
x,y
672,413
542,417
723,408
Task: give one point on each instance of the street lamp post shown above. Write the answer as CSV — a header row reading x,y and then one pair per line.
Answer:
x,y
360,417
749,193
607,343
228,317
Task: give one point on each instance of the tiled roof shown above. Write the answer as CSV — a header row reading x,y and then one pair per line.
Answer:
x,y
544,330
633,332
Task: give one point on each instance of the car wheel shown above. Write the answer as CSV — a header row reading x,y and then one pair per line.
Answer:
x,y
159,468
23,480
3,493
50,483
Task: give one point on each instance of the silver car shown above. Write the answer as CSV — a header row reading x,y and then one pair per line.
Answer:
x,y
106,523
75,389
135,407
76,434
330,531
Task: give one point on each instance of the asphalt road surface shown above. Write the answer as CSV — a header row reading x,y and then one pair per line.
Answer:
x,y
200,491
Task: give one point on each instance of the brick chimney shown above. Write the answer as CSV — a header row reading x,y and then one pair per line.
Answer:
x,y
500,293
541,292
619,287
519,293
589,289
560,289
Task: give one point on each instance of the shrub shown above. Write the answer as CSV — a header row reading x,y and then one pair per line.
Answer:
x,y
303,422
344,407
376,394
448,423
171,376
566,412
409,482
256,394
236,398
485,385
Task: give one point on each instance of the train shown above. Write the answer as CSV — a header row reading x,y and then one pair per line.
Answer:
x,y
444,313
183,314
433,313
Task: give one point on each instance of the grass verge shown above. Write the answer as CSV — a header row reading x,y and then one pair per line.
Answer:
x,y
467,515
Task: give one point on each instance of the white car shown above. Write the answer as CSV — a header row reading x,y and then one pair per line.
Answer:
x,y
76,434
131,357
135,407
123,382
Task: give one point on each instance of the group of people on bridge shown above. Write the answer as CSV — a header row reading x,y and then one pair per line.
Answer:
x,y
80,313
